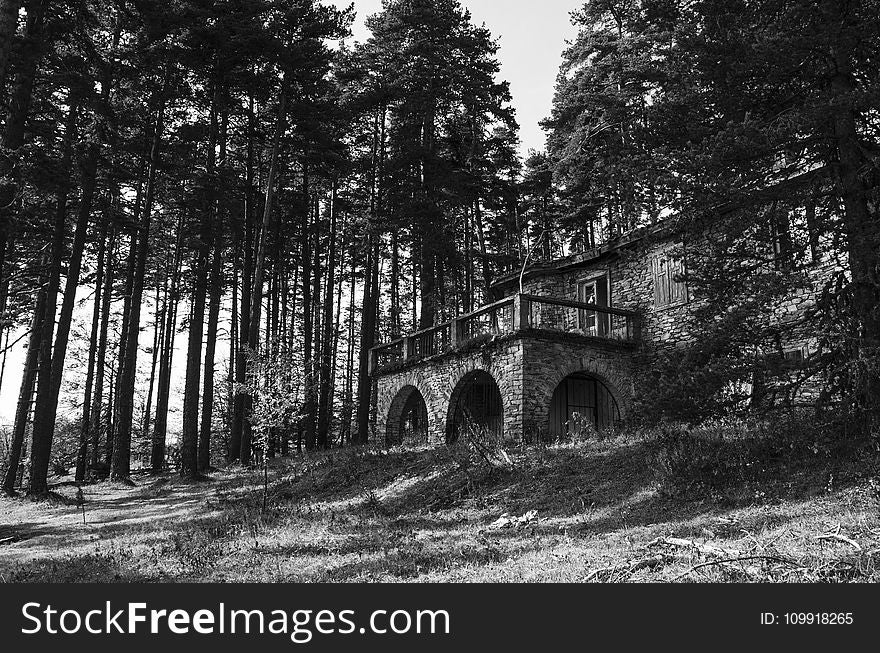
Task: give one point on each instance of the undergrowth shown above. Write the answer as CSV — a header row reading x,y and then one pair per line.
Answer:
x,y
669,503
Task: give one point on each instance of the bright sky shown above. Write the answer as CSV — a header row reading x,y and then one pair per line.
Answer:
x,y
532,35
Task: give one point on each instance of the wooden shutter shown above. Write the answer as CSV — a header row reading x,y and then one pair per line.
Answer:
x,y
667,290
661,280
678,289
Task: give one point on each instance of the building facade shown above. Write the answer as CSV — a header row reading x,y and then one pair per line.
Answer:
x,y
557,352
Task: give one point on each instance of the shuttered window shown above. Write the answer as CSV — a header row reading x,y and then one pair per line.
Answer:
x,y
594,291
667,290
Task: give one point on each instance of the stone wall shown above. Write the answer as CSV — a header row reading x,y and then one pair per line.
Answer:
x,y
527,370
632,288
441,379
550,360
529,366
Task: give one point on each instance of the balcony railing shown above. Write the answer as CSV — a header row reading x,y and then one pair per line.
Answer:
x,y
549,314
508,316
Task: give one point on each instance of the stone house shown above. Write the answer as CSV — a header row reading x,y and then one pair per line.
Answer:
x,y
557,350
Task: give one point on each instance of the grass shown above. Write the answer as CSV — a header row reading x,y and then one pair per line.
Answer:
x,y
598,511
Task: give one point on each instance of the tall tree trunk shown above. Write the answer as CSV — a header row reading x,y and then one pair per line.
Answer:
x,y
240,438
216,292
190,435
85,425
8,26
26,393
348,399
368,341
20,102
427,281
195,448
484,254
325,403
29,57
260,262
307,303
121,464
163,389
160,307
233,340
4,341
101,361
312,363
414,262
396,327
862,229
371,286
4,297
47,406
41,438
429,255
113,420
337,330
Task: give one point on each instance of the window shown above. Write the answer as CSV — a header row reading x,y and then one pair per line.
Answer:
x,y
594,291
795,235
783,244
668,289
794,358
814,232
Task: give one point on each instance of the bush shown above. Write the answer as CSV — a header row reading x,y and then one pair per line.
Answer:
x,y
724,454
59,468
683,460
478,446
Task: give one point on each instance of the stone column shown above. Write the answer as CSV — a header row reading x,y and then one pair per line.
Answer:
x,y
522,313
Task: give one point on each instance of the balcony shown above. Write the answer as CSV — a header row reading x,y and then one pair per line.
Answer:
x,y
519,314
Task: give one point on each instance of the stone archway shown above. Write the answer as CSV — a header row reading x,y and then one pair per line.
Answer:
x,y
476,401
582,402
549,364
407,420
392,394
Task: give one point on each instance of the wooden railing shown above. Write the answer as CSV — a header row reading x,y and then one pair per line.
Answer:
x,y
493,320
387,356
550,314
430,342
511,315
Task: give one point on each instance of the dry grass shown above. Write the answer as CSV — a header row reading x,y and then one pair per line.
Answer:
x,y
586,512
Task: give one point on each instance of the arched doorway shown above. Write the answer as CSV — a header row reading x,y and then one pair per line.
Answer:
x,y
407,419
582,401
476,403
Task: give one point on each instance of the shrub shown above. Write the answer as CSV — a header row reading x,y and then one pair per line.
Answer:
x,y
479,446
582,429
683,460
59,468
722,454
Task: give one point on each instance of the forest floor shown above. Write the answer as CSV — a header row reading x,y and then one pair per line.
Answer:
x,y
587,512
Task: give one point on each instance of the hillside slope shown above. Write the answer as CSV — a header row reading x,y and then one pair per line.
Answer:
x,y
586,512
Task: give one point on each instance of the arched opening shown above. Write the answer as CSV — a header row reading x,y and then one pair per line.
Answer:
x,y
476,403
407,419
581,402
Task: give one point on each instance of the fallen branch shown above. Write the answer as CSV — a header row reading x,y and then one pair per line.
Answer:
x,y
839,538
705,549
638,565
731,560
596,572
